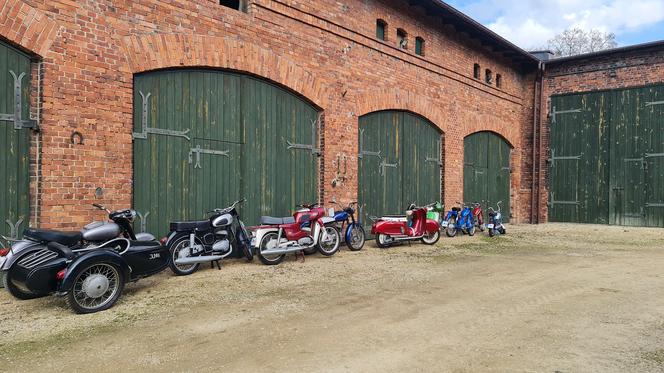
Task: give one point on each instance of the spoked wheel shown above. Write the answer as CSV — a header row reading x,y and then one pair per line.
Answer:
x,y
502,230
492,232
328,241
384,241
15,291
96,287
451,231
356,238
180,249
471,230
480,225
431,238
269,242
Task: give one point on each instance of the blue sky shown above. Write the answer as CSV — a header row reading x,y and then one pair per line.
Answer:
x,y
530,23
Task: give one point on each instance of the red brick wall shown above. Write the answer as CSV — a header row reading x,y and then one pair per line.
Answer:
x,y
320,48
617,70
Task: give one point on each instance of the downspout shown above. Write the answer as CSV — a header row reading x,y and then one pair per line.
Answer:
x,y
40,66
534,139
539,142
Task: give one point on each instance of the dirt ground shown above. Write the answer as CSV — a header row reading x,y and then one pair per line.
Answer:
x,y
548,298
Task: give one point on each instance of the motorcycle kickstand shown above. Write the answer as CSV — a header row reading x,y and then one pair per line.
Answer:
x,y
212,263
298,254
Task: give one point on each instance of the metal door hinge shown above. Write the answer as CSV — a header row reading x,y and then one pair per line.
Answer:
x,y
553,202
363,152
198,150
435,160
384,164
552,160
157,131
17,116
654,103
555,112
315,124
144,220
13,228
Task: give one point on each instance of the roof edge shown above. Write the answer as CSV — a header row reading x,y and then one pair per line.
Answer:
x,y
629,48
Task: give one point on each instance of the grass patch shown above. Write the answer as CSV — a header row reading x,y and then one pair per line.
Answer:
x,y
656,356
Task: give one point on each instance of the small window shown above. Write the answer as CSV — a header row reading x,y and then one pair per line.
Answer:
x,y
234,4
419,46
477,71
402,39
381,26
499,81
488,76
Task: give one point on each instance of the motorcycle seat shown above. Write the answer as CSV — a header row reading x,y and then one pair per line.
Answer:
x,y
45,235
269,220
199,225
60,249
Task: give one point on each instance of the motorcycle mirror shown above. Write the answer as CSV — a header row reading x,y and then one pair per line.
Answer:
x,y
98,206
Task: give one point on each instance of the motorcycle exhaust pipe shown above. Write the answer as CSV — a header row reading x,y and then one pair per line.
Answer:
x,y
406,238
198,259
280,251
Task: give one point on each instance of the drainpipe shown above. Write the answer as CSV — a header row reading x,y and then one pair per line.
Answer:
x,y
539,142
537,106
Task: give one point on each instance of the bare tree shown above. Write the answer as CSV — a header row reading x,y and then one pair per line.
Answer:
x,y
576,41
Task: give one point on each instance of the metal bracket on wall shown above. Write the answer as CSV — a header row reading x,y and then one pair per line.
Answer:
x,y
552,160
363,152
555,112
314,150
16,116
13,228
553,201
654,103
157,131
144,220
198,150
435,159
384,164
648,204
654,155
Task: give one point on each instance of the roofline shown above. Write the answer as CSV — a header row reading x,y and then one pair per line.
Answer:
x,y
629,48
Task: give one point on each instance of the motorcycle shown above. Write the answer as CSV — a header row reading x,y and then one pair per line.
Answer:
x,y
389,230
89,267
306,229
478,216
354,235
495,221
459,220
191,243
435,212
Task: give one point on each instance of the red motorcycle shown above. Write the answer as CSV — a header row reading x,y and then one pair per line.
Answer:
x,y
308,228
479,216
412,227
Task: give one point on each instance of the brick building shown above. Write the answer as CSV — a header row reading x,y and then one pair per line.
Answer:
x,y
175,107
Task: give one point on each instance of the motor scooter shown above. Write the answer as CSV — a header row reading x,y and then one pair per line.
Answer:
x,y
495,221
478,216
416,226
459,220
89,267
306,229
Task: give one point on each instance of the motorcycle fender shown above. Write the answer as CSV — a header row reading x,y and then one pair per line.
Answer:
x,y
18,249
260,232
171,236
392,228
96,256
349,230
432,226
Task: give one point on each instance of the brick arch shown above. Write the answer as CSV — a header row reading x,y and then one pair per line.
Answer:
x,y
510,143
509,134
27,27
380,99
159,51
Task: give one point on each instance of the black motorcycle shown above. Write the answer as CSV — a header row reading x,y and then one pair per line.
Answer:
x,y
89,267
191,243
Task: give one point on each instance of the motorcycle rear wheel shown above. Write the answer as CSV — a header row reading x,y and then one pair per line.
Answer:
x,y
329,248
471,230
502,230
265,245
178,244
431,238
451,230
357,238
492,232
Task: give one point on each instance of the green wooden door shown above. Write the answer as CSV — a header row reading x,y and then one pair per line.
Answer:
x,y
486,174
15,143
607,157
213,137
399,162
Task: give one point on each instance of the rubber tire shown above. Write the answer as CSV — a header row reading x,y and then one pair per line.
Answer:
x,y
171,261
310,250
492,232
432,242
502,230
364,238
248,253
451,232
471,230
78,309
480,225
264,260
379,243
15,291
336,247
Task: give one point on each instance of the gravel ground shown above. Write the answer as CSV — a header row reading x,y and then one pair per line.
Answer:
x,y
547,298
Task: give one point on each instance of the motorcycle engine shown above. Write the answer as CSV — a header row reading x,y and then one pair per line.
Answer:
x,y
222,246
305,241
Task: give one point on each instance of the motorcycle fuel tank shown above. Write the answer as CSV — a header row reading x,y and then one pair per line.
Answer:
x,y
222,220
100,231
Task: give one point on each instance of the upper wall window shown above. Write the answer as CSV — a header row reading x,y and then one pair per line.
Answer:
x,y
402,39
419,46
488,76
381,27
235,4
477,71
499,81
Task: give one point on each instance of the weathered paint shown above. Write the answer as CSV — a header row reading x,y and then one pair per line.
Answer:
x,y
619,173
14,157
486,171
410,155
247,117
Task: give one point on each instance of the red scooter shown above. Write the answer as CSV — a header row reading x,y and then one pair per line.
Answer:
x,y
412,227
308,228
479,216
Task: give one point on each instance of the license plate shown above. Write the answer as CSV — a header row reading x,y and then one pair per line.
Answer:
x,y
444,224
490,226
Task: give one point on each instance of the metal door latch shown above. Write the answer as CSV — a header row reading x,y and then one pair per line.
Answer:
x,y
157,131
198,150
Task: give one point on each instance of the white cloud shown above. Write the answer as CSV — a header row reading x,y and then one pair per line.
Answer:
x,y
530,23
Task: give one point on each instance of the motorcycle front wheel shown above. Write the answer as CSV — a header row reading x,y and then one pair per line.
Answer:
x,y
383,241
451,230
96,288
355,237
431,238
471,230
492,232
328,241
268,242
179,245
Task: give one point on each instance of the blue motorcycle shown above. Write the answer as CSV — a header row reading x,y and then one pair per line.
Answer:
x,y
354,234
459,220
495,221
